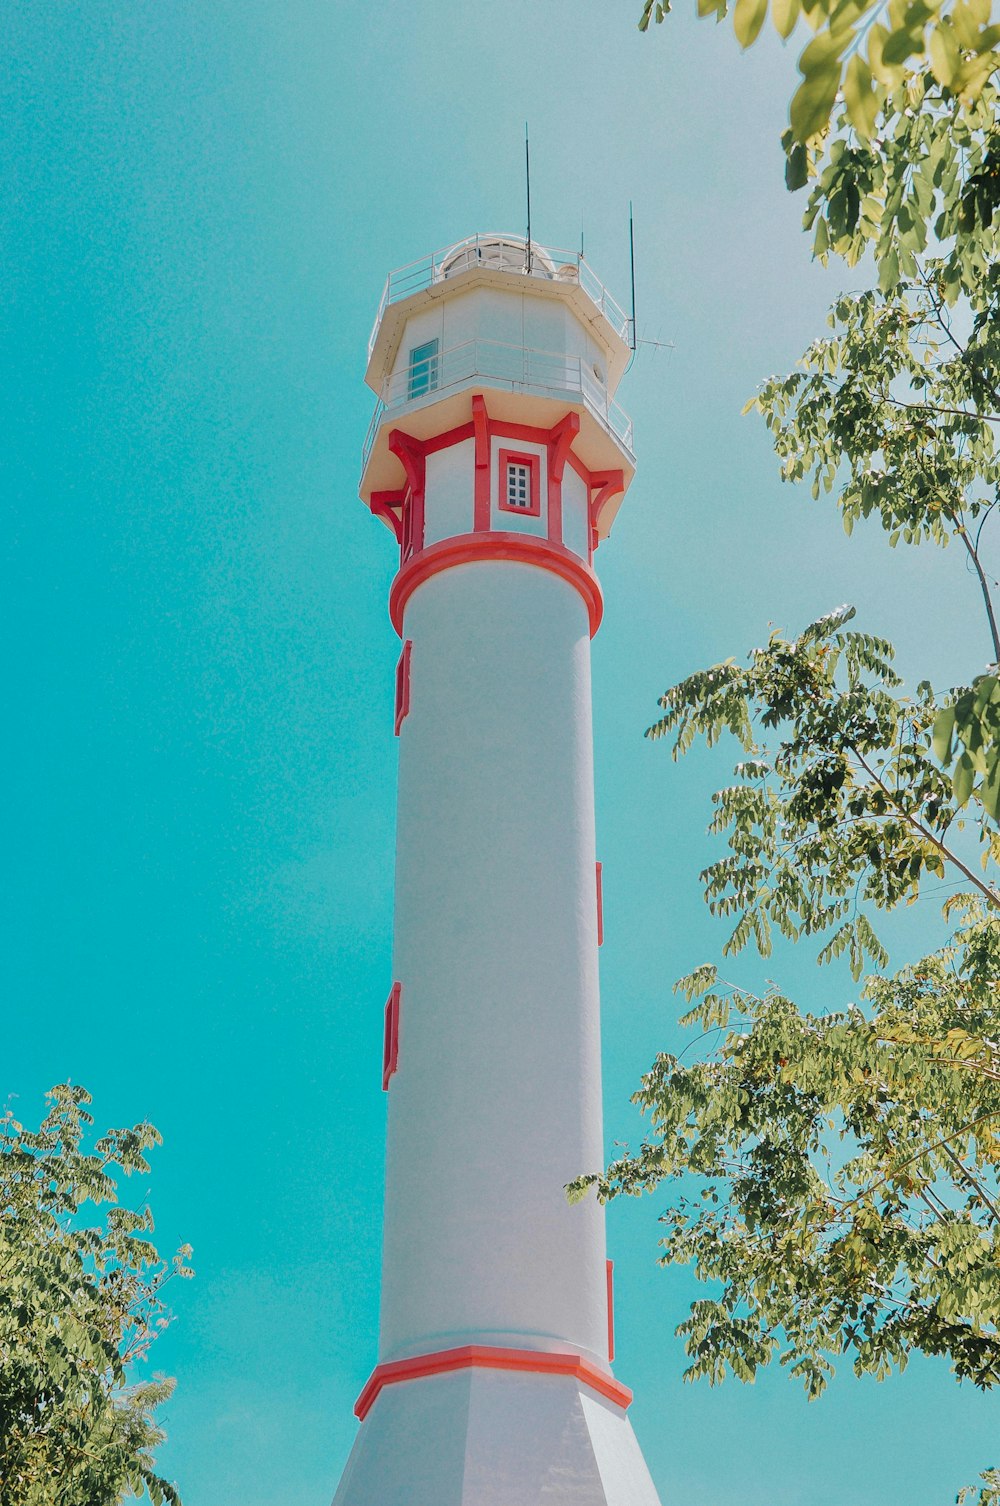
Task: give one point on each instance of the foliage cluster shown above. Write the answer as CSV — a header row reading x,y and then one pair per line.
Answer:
x,y
835,1177
80,1302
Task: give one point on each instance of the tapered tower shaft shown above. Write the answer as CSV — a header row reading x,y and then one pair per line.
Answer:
x,y
497,456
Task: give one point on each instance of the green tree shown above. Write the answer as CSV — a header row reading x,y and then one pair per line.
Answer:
x,y
80,1303
836,1176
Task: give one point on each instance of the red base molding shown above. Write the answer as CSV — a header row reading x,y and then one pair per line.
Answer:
x,y
522,548
537,1361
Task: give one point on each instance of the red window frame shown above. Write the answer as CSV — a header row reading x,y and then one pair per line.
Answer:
x,y
600,903
403,685
390,1039
533,462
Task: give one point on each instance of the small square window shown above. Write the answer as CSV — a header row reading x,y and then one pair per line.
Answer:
x,y
423,369
519,484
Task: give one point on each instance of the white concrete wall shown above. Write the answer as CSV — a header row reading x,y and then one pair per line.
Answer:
x,y
575,521
486,314
547,324
495,1438
449,492
496,1103
520,319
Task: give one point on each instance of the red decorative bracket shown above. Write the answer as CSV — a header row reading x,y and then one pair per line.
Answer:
x,y
559,444
608,484
389,505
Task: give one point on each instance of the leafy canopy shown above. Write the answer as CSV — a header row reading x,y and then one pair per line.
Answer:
x,y
835,1177
836,1174
80,1304
863,50
902,151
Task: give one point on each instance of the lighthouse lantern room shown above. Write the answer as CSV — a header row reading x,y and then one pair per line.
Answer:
x,y
498,457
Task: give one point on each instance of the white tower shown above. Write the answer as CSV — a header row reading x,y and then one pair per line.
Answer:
x,y
499,458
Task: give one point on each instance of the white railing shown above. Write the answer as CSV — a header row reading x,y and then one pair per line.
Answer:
x,y
503,253
511,367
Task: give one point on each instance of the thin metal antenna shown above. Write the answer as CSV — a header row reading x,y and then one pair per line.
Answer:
x,y
581,238
527,188
631,257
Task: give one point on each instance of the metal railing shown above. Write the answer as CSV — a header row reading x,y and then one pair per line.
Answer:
x,y
511,367
503,253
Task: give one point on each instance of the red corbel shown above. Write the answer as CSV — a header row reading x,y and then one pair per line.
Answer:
x,y
389,505
604,485
559,444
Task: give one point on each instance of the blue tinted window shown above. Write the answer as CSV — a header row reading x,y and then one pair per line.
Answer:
x,y
423,369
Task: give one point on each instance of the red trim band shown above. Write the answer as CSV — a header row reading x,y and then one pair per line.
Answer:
x,y
479,1356
522,548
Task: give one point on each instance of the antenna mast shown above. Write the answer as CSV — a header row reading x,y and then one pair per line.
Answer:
x,y
527,188
631,258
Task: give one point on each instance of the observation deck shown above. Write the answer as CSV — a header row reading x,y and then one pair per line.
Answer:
x,y
531,325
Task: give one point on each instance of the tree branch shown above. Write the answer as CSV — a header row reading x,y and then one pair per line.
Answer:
x,y
985,890
972,1182
973,552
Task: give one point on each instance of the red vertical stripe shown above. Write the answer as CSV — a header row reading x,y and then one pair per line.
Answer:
x,y
403,685
390,1044
600,905
610,1270
481,493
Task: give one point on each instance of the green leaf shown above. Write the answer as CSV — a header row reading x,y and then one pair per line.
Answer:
x,y
860,100
888,271
748,18
902,44
963,779
796,168
943,53
813,100
784,14
944,724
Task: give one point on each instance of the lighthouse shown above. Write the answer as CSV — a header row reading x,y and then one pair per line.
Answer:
x,y
498,458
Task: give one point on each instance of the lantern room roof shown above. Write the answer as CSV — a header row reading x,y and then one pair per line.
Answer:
x,y
501,261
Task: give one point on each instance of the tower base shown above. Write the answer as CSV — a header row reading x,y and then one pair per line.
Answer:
x,y
479,1437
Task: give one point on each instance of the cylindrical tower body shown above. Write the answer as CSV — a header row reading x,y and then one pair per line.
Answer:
x,y
496,1104
497,456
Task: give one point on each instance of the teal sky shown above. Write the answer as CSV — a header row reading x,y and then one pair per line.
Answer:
x,y
200,203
